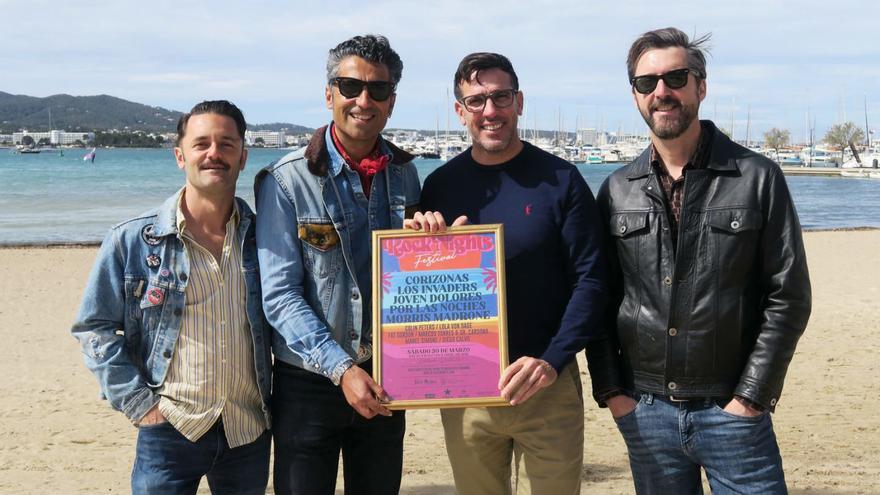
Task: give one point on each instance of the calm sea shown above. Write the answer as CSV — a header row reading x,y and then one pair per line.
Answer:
x,y
47,198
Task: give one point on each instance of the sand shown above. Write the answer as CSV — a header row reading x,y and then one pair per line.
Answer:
x,y
57,437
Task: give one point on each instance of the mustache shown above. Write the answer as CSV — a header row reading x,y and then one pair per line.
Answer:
x,y
215,163
668,101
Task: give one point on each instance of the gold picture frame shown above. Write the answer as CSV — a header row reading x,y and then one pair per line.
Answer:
x,y
440,316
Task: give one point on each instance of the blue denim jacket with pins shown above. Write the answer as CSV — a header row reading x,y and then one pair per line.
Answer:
x,y
314,228
132,308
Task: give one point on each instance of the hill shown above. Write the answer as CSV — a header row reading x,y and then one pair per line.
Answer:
x,y
98,113
81,113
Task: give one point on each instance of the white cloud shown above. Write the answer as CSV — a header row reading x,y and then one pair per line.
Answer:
x,y
779,57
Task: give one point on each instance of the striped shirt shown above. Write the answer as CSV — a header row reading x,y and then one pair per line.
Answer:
x,y
212,372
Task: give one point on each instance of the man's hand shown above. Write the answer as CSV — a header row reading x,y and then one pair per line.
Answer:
x,y
739,408
153,417
620,405
525,377
431,222
362,393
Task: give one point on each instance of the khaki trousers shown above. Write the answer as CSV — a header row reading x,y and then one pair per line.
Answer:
x,y
543,437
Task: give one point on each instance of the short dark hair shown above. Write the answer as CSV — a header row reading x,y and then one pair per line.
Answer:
x,y
373,48
667,38
220,107
471,66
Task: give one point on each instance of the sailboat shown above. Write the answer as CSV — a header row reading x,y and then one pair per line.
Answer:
x,y
90,156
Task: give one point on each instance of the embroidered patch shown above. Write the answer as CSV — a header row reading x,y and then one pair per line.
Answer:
x,y
149,238
153,261
321,236
155,296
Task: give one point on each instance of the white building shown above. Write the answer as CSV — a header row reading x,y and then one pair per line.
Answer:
x,y
592,137
56,138
272,139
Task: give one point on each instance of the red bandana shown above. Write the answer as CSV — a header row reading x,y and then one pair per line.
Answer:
x,y
369,166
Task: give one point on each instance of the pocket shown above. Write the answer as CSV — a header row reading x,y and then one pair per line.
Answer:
x,y
155,426
629,230
630,415
734,234
321,236
719,409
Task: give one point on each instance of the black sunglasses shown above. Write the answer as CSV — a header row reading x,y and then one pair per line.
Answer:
x,y
350,87
674,79
501,98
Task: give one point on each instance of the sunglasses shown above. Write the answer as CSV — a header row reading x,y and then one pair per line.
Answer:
x,y
350,87
674,79
501,98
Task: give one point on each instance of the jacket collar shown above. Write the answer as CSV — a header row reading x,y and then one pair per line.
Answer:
x,y
166,217
721,155
322,156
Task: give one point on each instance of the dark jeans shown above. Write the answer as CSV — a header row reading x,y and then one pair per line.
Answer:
x,y
167,463
669,442
312,422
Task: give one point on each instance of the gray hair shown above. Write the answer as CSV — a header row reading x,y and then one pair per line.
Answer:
x,y
667,38
373,48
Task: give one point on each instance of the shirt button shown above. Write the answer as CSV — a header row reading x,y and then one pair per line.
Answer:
x,y
166,354
772,402
673,332
672,386
667,280
622,229
355,296
353,335
734,224
183,277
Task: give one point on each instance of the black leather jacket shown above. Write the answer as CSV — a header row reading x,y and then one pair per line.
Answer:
x,y
722,313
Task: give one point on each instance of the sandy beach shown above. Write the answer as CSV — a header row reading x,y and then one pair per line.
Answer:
x,y
57,437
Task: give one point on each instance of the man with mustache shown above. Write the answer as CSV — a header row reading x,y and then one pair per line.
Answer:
x,y
318,207
172,325
710,290
555,289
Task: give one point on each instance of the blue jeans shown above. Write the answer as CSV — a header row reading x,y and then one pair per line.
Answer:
x,y
312,422
166,462
669,442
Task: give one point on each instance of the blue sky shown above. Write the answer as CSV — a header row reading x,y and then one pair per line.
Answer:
x,y
773,59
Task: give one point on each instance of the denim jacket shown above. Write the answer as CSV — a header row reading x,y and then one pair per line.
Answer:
x,y
132,308
314,246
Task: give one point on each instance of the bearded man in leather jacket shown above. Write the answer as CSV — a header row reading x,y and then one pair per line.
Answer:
x,y
710,289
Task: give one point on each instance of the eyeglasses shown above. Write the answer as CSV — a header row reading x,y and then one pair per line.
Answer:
x,y
674,79
350,87
501,98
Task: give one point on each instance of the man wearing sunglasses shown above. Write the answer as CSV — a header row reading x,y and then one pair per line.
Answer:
x,y
318,207
555,289
710,290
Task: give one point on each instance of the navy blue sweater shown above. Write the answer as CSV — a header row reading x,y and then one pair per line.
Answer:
x,y
554,264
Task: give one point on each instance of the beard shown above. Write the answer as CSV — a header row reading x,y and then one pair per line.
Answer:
x,y
670,127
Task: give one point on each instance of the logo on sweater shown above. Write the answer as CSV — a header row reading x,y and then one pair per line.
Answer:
x,y
529,209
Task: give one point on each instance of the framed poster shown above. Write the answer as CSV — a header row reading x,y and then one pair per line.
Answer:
x,y
439,316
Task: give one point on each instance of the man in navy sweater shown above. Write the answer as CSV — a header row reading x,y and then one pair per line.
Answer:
x,y
555,288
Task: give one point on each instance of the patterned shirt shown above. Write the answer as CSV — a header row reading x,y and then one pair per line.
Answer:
x,y
212,370
674,188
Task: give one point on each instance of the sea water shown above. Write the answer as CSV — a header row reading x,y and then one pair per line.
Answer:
x,y
49,198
